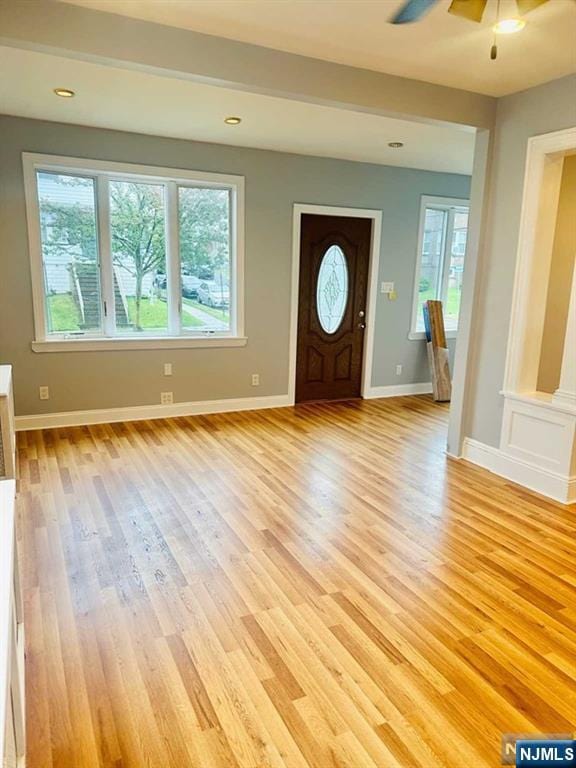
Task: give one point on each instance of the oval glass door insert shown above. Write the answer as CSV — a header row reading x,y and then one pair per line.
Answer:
x,y
332,289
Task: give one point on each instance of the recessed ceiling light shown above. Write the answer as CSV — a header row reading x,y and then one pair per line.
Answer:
x,y
65,93
509,26
233,120
395,144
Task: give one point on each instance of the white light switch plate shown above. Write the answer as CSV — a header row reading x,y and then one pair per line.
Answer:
x,y
386,287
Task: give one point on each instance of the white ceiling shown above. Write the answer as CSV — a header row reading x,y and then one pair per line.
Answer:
x,y
441,48
137,101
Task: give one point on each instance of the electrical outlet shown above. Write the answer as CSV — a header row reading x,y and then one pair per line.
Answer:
x,y
386,287
398,370
44,393
255,379
166,398
167,369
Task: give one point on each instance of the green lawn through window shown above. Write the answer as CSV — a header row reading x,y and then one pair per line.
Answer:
x,y
452,300
65,317
153,314
63,314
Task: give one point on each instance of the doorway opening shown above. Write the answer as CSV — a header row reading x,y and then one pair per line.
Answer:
x,y
538,434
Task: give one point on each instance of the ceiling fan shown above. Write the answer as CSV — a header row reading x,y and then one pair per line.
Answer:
x,y
413,10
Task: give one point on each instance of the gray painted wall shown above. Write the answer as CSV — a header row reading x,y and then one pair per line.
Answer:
x,y
544,109
274,181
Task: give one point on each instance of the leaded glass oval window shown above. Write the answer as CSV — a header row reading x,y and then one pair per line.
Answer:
x,y
332,289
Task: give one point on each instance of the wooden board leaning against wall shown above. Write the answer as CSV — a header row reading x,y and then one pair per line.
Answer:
x,y
437,351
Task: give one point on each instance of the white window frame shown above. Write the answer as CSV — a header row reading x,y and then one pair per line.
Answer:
x,y
171,178
445,204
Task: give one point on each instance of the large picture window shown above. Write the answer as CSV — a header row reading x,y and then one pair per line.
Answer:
x,y
132,254
440,264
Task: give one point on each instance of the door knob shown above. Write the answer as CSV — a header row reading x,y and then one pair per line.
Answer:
x,y
361,313
361,326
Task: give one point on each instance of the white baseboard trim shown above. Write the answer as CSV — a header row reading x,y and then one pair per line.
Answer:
x,y
483,455
531,476
144,412
141,412
397,390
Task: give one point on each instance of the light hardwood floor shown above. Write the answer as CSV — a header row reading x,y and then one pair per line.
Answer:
x,y
316,586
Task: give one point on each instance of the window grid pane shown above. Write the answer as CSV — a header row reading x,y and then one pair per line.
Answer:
x,y
137,226
455,269
431,260
441,265
205,253
69,246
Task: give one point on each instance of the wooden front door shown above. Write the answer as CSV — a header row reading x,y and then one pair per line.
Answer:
x,y
334,259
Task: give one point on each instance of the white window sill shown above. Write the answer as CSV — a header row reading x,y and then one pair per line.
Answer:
x,y
421,335
149,342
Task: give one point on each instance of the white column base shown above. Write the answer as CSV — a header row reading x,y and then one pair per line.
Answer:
x,y
527,474
538,444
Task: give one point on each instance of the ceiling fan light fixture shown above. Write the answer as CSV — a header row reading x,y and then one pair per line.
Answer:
x,y
232,120
509,26
396,144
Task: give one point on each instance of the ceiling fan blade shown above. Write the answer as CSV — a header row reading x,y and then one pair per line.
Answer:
x,y
468,9
412,10
525,6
